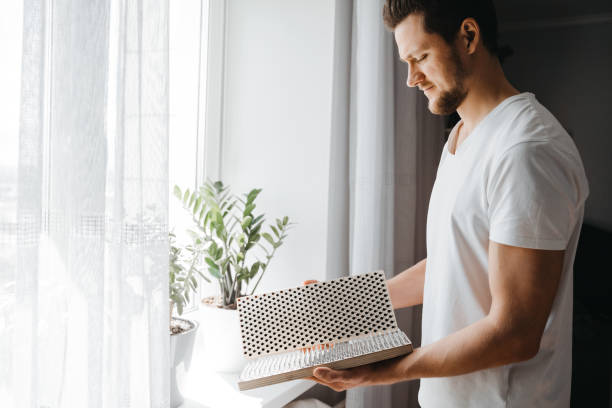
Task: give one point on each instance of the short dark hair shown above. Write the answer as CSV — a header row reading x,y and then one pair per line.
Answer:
x,y
444,17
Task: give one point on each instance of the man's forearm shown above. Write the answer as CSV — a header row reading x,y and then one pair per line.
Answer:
x,y
406,289
484,344
481,345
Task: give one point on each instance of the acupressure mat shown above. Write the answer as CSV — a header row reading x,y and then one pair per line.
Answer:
x,y
341,323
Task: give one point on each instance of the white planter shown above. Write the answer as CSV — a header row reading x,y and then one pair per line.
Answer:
x,y
181,349
222,341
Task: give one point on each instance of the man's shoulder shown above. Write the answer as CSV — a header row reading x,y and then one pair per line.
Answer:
x,y
527,122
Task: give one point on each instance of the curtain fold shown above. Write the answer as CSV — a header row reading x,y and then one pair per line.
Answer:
x,y
387,154
84,220
371,161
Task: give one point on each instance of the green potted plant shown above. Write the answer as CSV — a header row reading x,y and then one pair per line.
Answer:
x,y
234,247
183,284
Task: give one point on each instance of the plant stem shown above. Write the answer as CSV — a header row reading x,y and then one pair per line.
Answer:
x,y
269,257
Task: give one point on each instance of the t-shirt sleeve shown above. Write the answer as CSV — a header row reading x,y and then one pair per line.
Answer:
x,y
534,197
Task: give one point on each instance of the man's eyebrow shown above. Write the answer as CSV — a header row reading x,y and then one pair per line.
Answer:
x,y
408,56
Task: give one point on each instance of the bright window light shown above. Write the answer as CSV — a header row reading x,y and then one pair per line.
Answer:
x,y
188,50
187,82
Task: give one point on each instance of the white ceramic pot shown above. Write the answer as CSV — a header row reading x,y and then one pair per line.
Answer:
x,y
181,349
222,342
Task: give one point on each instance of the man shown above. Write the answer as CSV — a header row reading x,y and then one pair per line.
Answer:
x,y
502,227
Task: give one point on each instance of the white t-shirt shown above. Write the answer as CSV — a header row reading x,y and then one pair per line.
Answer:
x,y
518,180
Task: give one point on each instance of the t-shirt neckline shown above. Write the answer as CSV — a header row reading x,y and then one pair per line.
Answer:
x,y
478,126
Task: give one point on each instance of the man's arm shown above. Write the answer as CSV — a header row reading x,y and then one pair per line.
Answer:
x,y
523,285
406,288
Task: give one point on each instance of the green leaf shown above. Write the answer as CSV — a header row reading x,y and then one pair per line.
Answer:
x,y
211,263
255,230
177,192
214,272
218,253
219,230
285,220
197,205
253,195
192,198
248,209
185,197
254,269
258,218
268,238
246,222
275,231
207,219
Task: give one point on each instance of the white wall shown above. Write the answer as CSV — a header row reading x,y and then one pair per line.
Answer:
x,y
277,123
569,70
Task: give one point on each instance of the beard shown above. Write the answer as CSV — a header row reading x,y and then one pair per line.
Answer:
x,y
449,100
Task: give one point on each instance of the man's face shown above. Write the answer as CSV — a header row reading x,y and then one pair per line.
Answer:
x,y
433,65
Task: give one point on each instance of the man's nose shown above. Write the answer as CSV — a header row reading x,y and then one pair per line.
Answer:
x,y
414,77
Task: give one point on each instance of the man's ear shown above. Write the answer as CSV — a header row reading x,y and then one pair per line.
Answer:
x,y
469,35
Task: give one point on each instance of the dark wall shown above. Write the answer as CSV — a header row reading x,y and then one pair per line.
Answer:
x,y
569,69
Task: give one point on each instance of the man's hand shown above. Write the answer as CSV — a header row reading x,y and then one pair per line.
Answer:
x,y
382,372
340,380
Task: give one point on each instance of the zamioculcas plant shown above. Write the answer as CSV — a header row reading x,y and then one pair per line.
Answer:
x,y
228,230
182,278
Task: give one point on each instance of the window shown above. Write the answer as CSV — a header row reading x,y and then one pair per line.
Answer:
x,y
188,50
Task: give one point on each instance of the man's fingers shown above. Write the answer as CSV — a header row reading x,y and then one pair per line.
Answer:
x,y
308,282
338,380
313,378
329,375
336,386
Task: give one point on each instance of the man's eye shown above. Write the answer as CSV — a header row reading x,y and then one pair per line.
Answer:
x,y
422,58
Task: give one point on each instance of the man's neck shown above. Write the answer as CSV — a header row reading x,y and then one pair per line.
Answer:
x,y
487,88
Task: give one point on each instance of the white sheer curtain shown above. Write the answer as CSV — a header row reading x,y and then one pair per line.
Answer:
x,y
387,162
83,220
